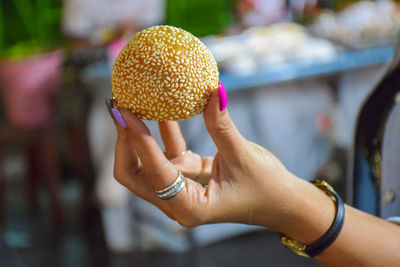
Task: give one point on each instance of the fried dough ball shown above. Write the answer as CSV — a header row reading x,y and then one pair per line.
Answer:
x,y
164,73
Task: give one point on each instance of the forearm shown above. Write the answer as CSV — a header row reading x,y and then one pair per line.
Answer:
x,y
365,240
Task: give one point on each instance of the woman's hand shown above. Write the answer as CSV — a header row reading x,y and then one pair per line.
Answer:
x,y
246,184
244,181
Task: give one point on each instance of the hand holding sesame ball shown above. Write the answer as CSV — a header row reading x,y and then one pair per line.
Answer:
x,y
242,183
164,73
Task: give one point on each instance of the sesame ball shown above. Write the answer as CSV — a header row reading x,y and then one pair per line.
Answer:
x,y
164,73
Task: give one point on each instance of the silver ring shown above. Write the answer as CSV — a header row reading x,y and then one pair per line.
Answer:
x,y
173,189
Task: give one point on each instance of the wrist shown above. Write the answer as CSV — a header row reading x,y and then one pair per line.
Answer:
x,y
309,212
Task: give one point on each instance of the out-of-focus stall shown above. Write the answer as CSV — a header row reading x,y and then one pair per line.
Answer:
x,y
296,73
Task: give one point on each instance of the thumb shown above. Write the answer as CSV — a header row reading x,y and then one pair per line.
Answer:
x,y
222,130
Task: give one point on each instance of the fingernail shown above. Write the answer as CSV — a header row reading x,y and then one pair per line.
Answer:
x,y
118,117
223,97
110,106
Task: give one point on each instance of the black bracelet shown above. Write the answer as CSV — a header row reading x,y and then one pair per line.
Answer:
x,y
333,232
330,236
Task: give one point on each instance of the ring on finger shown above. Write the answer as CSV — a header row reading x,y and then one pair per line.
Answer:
x,y
173,189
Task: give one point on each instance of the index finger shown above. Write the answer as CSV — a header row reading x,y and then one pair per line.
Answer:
x,y
155,165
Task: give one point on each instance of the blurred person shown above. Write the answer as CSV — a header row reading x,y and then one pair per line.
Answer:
x,y
28,88
99,21
256,13
253,13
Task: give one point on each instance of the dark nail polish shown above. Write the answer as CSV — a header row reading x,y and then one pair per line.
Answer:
x,y
110,106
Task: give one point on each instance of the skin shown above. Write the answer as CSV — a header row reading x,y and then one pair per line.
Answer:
x,y
245,184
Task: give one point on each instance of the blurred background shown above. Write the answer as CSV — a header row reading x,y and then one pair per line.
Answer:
x,y
296,71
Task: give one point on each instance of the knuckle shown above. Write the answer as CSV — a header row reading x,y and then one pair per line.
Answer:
x,y
124,178
222,127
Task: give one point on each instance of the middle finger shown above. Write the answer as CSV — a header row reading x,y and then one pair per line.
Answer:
x,y
173,139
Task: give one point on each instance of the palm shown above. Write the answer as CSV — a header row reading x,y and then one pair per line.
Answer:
x,y
194,166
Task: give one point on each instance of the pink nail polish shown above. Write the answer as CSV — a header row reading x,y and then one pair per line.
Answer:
x,y
223,97
118,117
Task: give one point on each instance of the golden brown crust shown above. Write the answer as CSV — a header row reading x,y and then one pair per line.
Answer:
x,y
164,73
